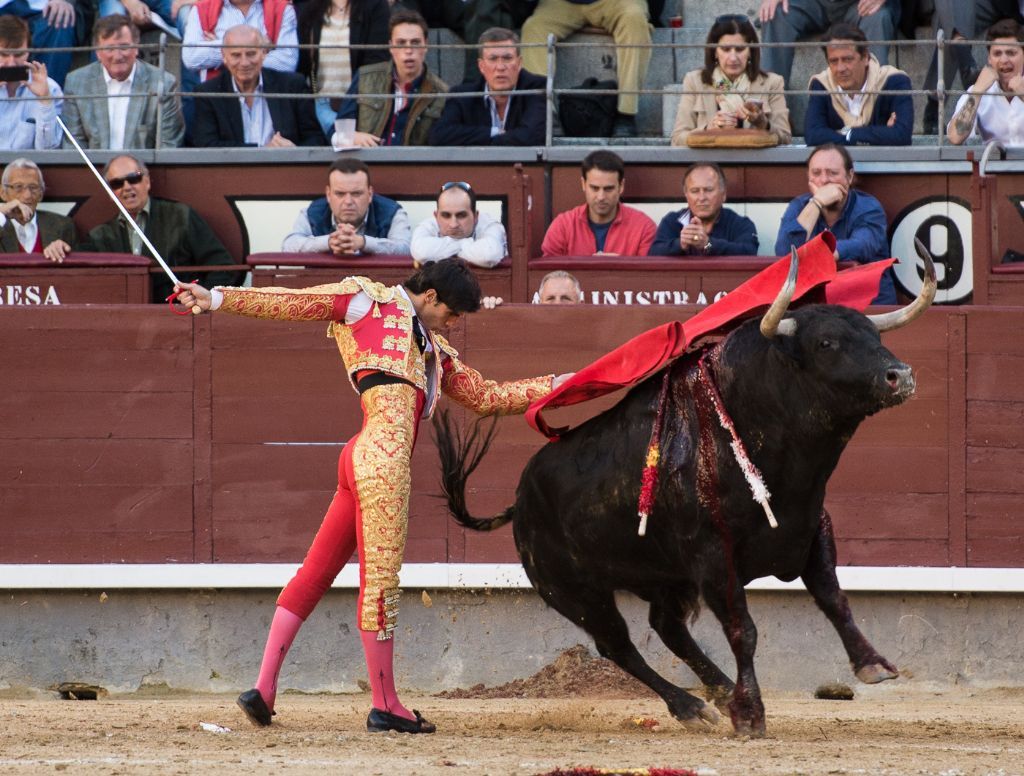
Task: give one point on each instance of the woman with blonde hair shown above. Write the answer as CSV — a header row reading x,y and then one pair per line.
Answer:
x,y
731,91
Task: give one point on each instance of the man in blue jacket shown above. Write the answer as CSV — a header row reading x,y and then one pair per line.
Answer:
x,y
856,219
502,117
704,227
851,103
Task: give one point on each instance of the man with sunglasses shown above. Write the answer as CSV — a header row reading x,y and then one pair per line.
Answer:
x,y
398,362
459,230
175,229
23,227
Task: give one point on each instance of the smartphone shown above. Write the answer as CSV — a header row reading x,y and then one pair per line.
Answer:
x,y
12,73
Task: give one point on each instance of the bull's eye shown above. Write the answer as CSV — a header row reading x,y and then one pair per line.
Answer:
x,y
825,344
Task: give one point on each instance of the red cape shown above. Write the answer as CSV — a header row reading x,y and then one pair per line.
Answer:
x,y
646,353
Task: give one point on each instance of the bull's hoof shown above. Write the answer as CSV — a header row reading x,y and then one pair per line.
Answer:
x,y
873,673
719,695
697,715
749,728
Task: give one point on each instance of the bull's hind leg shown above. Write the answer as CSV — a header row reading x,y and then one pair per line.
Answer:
x,y
595,612
668,618
820,579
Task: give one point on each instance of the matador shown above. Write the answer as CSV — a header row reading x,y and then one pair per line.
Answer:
x,y
399,364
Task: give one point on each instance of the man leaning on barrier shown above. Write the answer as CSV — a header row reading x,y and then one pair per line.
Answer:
x,y
502,117
121,103
350,219
704,227
29,107
407,118
177,231
459,230
23,227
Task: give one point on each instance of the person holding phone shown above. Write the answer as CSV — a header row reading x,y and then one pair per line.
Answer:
x,y
731,91
29,99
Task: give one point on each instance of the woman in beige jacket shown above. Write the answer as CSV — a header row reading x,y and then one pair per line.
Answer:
x,y
737,93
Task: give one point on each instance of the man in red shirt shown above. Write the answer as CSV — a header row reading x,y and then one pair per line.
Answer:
x,y
603,225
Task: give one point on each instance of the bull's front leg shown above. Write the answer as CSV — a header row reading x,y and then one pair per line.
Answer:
x,y
730,607
819,577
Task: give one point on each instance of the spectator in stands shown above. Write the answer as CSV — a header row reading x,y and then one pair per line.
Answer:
x,y
502,117
209,20
25,121
332,27
53,25
407,119
744,95
851,103
789,21
704,227
601,225
626,20
23,227
559,287
984,109
855,218
458,229
141,11
180,235
139,93
251,119
956,18
350,219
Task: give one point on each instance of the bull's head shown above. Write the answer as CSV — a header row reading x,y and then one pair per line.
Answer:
x,y
844,347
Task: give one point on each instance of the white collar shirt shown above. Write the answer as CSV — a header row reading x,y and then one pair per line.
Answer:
x,y
118,95
27,233
997,118
497,120
256,120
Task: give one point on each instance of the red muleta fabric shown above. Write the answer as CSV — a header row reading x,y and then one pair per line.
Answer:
x,y
645,354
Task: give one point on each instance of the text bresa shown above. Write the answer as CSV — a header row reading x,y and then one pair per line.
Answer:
x,y
650,297
26,295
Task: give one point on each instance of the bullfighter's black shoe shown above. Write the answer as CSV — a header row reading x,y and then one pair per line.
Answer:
x,y
380,721
255,708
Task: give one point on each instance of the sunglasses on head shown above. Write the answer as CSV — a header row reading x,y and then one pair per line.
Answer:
x,y
457,185
731,17
132,178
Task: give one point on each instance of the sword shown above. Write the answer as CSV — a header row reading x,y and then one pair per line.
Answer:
x,y
128,216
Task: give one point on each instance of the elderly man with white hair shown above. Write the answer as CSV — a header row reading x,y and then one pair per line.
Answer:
x,y
23,227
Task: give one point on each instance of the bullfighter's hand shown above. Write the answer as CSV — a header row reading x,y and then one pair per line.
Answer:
x,y
56,251
490,302
768,8
557,381
193,295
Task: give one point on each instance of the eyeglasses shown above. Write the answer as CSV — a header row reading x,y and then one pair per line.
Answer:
x,y
457,185
32,188
132,178
732,17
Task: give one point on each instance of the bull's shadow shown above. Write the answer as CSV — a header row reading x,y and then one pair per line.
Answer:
x,y
795,386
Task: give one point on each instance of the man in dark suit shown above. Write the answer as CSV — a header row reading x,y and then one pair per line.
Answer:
x,y
502,117
181,236
252,119
24,228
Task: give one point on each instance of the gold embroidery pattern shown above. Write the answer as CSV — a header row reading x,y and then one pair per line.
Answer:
x,y
487,397
397,322
380,464
282,304
394,343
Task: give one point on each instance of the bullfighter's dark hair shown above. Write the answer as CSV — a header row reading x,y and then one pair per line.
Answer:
x,y
713,166
731,24
605,161
108,26
1004,28
347,166
454,282
14,32
405,16
839,149
844,31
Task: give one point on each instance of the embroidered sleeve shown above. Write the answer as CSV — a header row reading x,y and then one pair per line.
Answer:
x,y
487,397
319,303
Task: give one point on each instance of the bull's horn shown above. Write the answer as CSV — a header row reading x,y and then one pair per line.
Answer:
x,y
772,323
903,316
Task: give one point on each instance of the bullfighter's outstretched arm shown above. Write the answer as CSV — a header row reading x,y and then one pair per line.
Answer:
x,y
318,303
487,397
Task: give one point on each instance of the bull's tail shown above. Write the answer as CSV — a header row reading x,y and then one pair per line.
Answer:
x,y
460,455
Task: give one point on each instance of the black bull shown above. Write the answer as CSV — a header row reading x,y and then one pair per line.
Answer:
x,y
796,389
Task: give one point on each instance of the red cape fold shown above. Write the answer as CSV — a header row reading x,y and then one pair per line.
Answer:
x,y
646,353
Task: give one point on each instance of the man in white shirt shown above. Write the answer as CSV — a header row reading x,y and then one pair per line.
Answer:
x,y
283,56
994,106
457,229
137,94
29,108
24,228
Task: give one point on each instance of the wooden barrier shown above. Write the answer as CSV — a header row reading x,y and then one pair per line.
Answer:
x,y
133,435
82,278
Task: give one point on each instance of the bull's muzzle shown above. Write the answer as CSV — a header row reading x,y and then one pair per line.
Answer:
x,y
900,380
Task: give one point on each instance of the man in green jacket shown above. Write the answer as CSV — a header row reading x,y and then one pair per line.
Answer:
x,y
175,229
404,118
